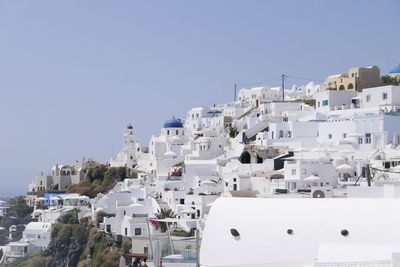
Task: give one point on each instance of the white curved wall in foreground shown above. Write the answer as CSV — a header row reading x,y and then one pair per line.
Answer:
x,y
263,223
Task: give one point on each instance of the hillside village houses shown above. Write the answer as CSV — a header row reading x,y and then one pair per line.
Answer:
x,y
256,146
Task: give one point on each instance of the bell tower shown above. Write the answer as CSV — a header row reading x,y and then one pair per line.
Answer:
x,y
130,146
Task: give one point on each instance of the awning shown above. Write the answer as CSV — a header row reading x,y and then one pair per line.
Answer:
x,y
344,167
137,255
312,178
208,182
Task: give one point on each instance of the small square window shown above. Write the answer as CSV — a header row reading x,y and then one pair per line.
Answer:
x,y
138,231
368,138
344,135
329,136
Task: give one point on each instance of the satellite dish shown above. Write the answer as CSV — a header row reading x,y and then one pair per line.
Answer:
x,y
318,194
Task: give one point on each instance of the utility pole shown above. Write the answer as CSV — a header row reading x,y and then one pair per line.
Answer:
x,y
283,87
197,233
368,173
234,92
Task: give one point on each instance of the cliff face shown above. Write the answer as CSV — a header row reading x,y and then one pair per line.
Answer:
x,y
68,244
83,245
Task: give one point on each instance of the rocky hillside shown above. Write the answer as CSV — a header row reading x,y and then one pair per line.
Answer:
x,y
78,244
100,179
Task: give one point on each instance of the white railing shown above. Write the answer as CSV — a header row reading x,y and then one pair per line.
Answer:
x,y
383,263
15,254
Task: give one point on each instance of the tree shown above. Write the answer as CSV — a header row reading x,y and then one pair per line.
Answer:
x,y
3,238
69,218
116,173
19,208
100,216
96,173
76,213
127,246
387,80
163,214
37,261
232,130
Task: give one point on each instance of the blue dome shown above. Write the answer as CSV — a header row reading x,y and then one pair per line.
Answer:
x,y
129,127
173,123
395,70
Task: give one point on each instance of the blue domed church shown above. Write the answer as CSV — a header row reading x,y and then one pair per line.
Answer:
x,y
173,127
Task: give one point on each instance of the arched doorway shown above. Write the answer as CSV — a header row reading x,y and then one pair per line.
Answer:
x,y
245,158
341,87
350,86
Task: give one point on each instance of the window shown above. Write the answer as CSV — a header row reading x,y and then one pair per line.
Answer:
x,y
293,171
124,212
138,231
344,135
167,132
368,98
280,134
234,179
325,102
126,231
384,96
176,132
368,138
329,136
360,140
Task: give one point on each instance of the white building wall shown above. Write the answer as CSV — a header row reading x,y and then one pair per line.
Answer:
x,y
380,96
313,222
331,132
333,100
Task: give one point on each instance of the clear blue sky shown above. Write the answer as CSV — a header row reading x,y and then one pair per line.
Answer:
x,y
73,74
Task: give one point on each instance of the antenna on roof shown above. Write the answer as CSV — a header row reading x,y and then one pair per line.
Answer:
x,y
283,87
234,92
